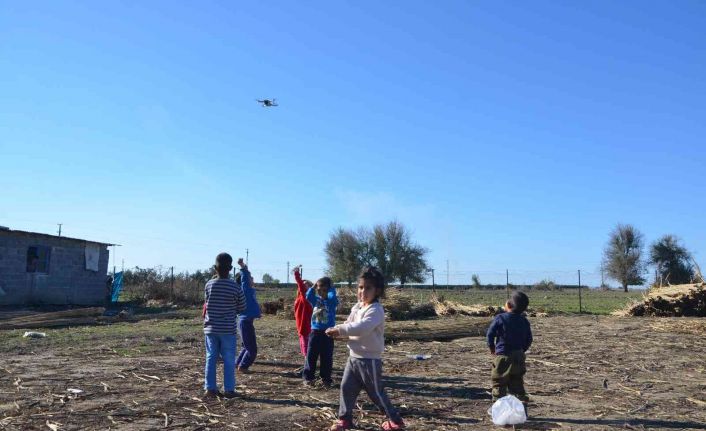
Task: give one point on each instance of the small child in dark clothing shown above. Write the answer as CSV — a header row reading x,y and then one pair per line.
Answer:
x,y
509,337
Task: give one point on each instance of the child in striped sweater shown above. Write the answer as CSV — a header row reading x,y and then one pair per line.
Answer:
x,y
224,300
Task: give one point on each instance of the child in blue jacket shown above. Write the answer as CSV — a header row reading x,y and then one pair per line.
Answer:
x,y
322,297
246,320
509,337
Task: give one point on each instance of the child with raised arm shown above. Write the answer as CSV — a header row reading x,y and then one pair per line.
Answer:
x,y
246,320
302,310
322,297
509,337
365,329
224,299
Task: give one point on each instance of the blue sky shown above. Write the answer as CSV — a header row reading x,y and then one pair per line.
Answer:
x,y
504,134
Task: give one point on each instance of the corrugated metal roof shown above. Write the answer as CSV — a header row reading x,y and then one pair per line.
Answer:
x,y
46,235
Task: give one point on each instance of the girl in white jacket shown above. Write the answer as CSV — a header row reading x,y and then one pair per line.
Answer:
x,y
365,329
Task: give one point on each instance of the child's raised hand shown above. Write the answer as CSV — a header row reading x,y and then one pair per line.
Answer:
x,y
333,332
241,262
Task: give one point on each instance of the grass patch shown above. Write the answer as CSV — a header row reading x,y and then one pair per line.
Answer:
x,y
140,335
550,301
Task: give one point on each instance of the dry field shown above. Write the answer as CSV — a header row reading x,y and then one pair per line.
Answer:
x,y
585,373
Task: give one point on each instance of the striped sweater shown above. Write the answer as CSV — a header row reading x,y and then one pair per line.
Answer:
x,y
224,300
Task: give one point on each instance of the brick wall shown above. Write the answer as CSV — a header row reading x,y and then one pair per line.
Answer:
x,y
67,282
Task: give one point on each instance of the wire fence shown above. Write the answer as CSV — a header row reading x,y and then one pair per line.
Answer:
x,y
555,290
457,278
439,278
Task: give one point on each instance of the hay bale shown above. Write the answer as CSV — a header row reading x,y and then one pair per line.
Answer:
x,y
397,305
436,330
423,311
286,313
272,307
347,298
681,300
450,308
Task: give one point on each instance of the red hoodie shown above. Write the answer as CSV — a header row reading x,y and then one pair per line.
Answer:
x,y
302,308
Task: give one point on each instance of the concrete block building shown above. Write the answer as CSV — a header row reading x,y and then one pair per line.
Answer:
x,y
37,268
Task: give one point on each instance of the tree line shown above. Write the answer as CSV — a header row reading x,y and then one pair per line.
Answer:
x,y
624,259
391,249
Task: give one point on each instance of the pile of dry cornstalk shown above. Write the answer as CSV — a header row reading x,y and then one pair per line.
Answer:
x,y
436,330
681,300
272,307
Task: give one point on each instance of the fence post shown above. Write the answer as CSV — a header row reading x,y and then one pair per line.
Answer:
x,y
580,304
287,286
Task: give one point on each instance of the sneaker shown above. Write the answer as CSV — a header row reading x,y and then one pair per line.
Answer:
x,y
229,395
210,394
244,370
327,384
389,425
341,424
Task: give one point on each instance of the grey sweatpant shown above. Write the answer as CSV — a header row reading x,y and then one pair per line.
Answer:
x,y
359,374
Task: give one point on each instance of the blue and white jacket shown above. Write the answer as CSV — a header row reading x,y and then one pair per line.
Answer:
x,y
324,314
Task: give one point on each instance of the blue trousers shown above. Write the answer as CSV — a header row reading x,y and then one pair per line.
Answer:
x,y
320,346
224,346
248,350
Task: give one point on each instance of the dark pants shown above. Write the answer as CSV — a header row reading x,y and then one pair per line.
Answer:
x,y
508,375
248,352
320,346
364,374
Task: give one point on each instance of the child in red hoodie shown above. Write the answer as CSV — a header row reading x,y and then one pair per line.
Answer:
x,y
302,310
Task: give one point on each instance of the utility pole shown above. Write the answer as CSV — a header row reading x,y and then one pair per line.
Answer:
x,y
507,282
59,228
247,254
288,274
433,282
602,281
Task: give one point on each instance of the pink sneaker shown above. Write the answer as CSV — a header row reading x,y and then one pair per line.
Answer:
x,y
389,425
341,424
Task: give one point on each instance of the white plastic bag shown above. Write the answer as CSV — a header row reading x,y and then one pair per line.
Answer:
x,y
32,334
508,410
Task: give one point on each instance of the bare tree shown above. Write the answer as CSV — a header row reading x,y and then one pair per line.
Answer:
x,y
672,260
623,256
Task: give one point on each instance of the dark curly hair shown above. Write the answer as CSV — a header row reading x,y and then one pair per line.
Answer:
x,y
519,302
374,275
325,281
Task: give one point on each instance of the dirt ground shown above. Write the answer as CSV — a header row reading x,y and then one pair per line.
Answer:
x,y
585,373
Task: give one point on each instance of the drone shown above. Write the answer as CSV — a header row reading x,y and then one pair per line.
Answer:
x,y
267,103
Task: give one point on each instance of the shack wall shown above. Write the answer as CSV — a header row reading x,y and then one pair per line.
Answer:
x,y
67,280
